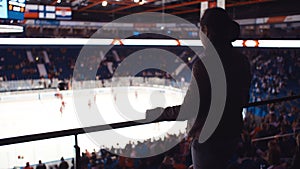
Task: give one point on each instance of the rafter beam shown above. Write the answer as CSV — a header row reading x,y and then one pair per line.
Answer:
x,y
176,5
54,2
186,11
228,5
91,5
247,3
102,11
128,6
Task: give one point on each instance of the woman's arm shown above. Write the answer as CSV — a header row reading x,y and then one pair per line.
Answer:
x,y
190,106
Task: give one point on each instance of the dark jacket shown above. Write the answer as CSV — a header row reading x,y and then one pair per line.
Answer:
x,y
296,160
63,165
238,79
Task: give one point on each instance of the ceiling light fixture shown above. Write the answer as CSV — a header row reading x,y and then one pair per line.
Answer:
x,y
104,3
141,2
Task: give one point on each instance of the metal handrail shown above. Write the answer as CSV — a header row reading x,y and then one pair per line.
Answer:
x,y
264,102
273,137
70,132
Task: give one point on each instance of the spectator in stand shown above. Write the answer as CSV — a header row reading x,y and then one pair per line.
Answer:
x,y
296,158
167,163
263,132
28,166
41,165
178,164
128,149
273,155
63,164
84,161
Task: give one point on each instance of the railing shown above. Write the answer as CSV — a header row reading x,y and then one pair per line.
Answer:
x,y
75,132
25,85
273,137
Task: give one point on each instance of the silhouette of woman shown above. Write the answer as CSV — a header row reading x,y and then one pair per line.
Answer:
x,y
215,152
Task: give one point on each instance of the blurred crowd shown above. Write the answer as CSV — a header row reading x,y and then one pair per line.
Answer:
x,y
275,71
269,142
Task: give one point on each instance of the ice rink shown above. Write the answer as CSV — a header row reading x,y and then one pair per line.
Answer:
x,y
32,113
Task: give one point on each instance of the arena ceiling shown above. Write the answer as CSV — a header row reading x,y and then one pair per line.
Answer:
x,y
132,6
97,10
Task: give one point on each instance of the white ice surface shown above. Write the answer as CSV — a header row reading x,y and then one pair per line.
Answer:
x,y
39,113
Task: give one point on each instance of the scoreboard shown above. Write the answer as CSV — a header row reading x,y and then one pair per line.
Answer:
x,y
3,9
12,9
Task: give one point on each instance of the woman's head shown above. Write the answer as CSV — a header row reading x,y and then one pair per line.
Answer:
x,y
218,26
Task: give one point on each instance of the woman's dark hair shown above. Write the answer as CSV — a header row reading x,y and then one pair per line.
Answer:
x,y
220,25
